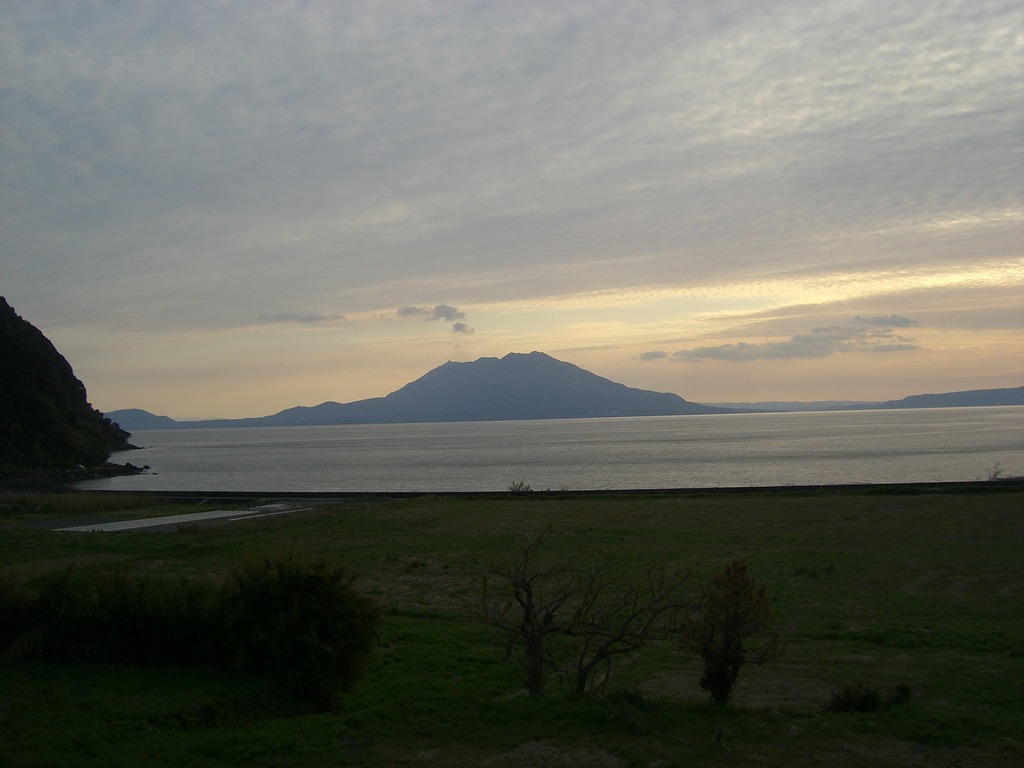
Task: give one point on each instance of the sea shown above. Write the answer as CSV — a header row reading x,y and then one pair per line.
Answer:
x,y
657,452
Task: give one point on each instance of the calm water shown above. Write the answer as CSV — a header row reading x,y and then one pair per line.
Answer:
x,y
943,444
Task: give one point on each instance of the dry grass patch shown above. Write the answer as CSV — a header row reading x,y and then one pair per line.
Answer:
x,y
30,570
549,753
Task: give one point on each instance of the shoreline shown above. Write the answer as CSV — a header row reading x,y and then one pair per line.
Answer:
x,y
56,479
1012,484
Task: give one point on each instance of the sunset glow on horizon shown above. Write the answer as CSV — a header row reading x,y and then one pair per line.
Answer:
x,y
225,210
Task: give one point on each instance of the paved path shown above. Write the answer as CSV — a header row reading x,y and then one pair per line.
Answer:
x,y
233,515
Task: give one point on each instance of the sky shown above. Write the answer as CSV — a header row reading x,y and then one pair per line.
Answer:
x,y
225,209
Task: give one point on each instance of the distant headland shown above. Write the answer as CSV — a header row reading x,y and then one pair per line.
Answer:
x,y
48,429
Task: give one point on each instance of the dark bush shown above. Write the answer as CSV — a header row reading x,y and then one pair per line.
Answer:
x,y
854,698
15,616
104,615
863,698
519,487
299,622
732,628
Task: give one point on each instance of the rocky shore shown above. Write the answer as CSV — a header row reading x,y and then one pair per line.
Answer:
x,y
55,478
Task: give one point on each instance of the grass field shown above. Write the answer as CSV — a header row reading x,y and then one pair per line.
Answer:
x,y
876,588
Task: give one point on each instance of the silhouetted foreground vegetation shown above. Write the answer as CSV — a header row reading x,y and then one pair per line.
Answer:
x,y
902,648
297,621
863,698
732,628
574,616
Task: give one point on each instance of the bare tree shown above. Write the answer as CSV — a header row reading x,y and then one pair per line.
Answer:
x,y
618,613
577,615
531,596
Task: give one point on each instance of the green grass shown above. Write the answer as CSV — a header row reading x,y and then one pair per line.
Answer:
x,y
873,588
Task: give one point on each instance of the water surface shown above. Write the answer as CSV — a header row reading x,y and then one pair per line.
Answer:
x,y
742,450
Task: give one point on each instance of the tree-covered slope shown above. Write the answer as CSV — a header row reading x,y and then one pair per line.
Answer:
x,y
46,421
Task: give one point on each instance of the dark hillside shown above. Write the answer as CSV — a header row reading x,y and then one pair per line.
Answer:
x,y
46,421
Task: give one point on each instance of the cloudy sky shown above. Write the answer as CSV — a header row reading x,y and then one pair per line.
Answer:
x,y
227,209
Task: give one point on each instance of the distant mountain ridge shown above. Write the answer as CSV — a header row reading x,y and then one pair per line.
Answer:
x,y
140,419
964,399
514,387
530,386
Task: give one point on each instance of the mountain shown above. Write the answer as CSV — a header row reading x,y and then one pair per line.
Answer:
x,y
517,386
966,399
535,386
46,421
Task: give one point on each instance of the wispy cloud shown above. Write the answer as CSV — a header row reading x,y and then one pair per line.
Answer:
x,y
439,312
307,318
413,312
893,321
656,354
819,342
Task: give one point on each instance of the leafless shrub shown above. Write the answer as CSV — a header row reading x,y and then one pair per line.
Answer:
x,y
575,616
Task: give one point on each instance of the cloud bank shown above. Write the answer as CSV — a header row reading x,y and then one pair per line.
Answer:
x,y
818,342
440,312
598,177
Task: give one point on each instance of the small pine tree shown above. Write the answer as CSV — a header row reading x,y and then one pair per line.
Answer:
x,y
731,629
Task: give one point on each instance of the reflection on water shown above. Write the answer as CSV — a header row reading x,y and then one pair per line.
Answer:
x,y
925,445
